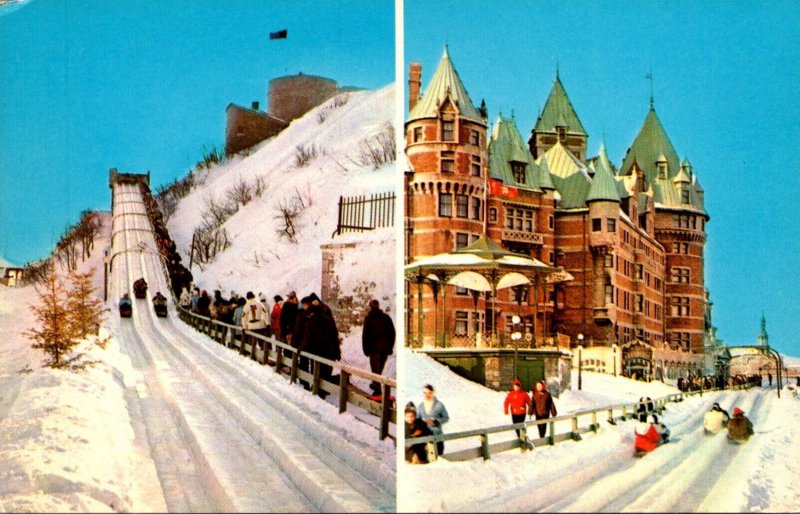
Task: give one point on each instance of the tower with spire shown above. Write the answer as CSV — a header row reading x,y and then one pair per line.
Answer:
x,y
558,122
763,338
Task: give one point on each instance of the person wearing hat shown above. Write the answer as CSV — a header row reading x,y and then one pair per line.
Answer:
x,y
715,420
415,427
433,413
646,436
377,340
518,402
739,427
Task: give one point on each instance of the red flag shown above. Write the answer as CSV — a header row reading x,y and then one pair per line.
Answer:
x,y
497,188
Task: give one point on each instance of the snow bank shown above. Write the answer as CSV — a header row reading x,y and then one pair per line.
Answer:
x,y
65,438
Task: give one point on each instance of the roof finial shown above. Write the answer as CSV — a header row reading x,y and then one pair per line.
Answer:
x,y
649,76
558,69
512,114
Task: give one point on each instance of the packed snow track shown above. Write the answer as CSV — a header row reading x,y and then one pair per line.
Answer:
x,y
220,439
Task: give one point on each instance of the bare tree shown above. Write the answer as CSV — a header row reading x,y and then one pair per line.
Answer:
x,y
241,192
377,150
305,154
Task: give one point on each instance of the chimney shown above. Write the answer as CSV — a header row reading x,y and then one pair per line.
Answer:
x,y
255,105
414,83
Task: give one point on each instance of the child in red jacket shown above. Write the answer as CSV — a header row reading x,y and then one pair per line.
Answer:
x,y
519,402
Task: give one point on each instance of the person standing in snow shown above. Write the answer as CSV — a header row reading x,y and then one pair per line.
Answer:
x,y
518,402
289,317
185,300
377,340
267,319
238,313
739,427
415,427
195,298
646,435
254,316
542,405
321,338
275,317
204,304
433,413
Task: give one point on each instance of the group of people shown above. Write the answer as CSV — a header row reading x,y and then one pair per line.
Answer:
x,y
539,403
740,428
424,419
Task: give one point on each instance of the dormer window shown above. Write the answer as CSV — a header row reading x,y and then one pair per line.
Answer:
x,y
474,138
518,171
662,169
562,133
684,195
448,130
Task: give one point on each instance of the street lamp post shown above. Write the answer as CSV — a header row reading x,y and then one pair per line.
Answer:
x,y
515,336
614,353
580,362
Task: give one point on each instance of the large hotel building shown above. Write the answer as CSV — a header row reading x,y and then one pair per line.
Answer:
x,y
631,238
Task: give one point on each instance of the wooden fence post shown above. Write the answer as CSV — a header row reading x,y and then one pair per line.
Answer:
x,y
293,372
317,372
386,407
594,422
611,417
485,446
278,358
344,390
575,435
552,438
523,439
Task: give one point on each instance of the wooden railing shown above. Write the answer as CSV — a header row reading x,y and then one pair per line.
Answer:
x,y
284,359
485,449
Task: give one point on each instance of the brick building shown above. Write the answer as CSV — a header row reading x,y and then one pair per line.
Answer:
x,y
631,237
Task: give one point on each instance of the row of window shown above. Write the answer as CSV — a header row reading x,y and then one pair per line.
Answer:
x,y
632,270
448,134
628,333
686,220
447,163
681,339
463,318
631,301
466,206
597,224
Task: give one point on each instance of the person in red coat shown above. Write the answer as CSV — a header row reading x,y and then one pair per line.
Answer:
x,y
647,436
518,402
542,405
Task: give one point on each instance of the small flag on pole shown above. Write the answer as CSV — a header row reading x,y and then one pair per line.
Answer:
x,y
281,34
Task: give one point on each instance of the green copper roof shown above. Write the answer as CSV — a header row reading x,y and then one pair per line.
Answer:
x,y
558,111
651,144
505,146
562,162
604,187
486,248
573,190
681,177
543,178
445,83
602,159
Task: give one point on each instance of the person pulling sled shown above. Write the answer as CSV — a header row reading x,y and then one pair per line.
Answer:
x,y
160,305
140,288
125,306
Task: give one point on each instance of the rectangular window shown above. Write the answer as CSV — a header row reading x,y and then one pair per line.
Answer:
x,y
551,260
474,138
680,306
445,205
462,323
639,271
447,131
597,224
476,165
680,275
462,206
609,296
519,294
462,240
417,134
639,303
493,214
520,219
518,172
448,162
608,260
684,196
550,222
477,210
612,225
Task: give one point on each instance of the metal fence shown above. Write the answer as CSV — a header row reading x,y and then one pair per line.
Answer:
x,y
362,213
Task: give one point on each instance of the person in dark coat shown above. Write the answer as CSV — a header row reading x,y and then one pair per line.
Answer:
x,y
415,427
377,340
739,427
297,335
542,405
321,338
204,304
288,318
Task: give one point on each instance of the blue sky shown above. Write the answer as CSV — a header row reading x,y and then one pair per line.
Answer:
x,y
726,78
90,85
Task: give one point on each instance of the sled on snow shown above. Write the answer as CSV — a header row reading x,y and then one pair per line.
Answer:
x,y
125,310
161,309
140,289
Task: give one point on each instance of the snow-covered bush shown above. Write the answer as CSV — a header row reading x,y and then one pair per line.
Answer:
x,y
304,154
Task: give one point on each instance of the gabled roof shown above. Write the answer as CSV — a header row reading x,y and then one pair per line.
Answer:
x,y
558,111
445,84
562,162
506,146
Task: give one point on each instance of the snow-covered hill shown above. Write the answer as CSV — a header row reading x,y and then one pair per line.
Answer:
x,y
260,258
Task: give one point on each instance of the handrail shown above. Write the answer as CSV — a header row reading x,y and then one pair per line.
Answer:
x,y
485,449
270,351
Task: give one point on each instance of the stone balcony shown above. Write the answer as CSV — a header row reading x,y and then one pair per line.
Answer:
x,y
520,236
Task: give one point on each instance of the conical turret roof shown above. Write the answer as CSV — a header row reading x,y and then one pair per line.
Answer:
x,y
558,112
444,84
604,187
543,179
651,145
